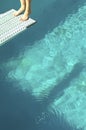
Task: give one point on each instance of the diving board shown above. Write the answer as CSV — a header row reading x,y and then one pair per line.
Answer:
x,y
11,26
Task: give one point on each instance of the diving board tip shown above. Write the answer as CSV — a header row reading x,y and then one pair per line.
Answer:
x,y
10,25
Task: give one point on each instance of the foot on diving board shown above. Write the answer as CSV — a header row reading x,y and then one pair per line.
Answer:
x,y
10,25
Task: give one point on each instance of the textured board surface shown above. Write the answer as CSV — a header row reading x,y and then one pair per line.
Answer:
x,y
10,25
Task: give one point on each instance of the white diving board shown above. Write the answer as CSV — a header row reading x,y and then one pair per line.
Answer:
x,y
10,25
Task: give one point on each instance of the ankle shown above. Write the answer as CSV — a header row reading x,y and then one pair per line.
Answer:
x,y
22,7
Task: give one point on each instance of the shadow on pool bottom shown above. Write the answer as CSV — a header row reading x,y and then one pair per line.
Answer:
x,y
21,111
25,122
49,19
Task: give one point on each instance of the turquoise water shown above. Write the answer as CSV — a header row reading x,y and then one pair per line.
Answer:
x,y
42,70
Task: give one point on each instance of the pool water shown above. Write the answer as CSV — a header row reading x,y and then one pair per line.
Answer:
x,y
43,69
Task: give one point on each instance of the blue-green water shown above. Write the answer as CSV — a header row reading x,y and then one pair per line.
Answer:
x,y
42,70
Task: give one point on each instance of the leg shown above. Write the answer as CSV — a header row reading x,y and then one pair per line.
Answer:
x,y
27,10
21,9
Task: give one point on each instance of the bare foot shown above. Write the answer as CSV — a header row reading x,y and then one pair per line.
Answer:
x,y
25,16
16,13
